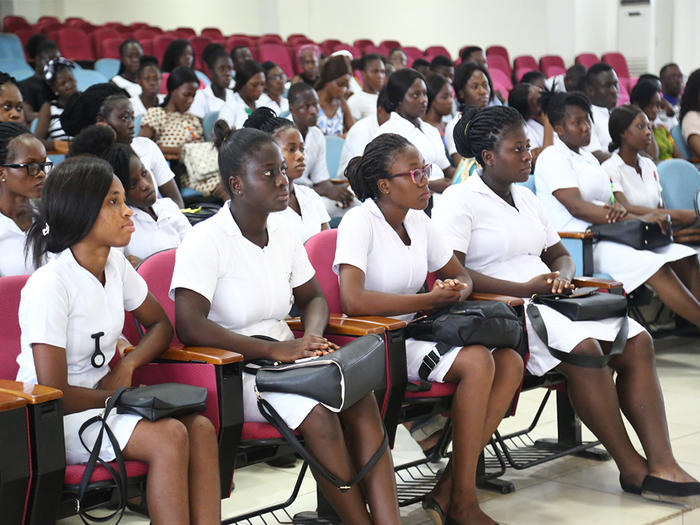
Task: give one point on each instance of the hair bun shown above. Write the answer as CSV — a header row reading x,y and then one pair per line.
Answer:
x,y
463,145
259,118
222,132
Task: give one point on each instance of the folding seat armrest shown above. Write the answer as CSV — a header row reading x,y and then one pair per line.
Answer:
x,y
33,394
60,147
576,235
10,401
199,354
512,301
354,326
580,246
605,284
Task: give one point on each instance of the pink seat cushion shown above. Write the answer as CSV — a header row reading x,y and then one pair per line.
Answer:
x,y
74,473
436,390
257,431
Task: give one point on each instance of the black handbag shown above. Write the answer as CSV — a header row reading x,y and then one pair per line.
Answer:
x,y
636,233
490,323
584,304
337,380
151,402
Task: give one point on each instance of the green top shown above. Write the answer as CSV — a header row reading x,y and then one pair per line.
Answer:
x,y
664,141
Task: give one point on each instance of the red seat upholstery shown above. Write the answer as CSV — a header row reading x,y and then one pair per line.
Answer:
x,y
553,70
497,50
257,431
436,390
11,23
48,26
145,34
270,39
390,44
412,53
361,43
109,47
99,35
278,54
436,51
328,45
520,71
212,33
75,44
587,59
239,40
618,63
198,44
551,60
525,61
378,50
147,45
74,473
356,52
185,32
160,44
498,62
501,81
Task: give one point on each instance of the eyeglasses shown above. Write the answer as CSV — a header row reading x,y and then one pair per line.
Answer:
x,y
276,78
417,175
33,168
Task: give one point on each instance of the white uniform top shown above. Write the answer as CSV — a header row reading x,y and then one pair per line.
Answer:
x,y
313,213
363,104
132,88
205,101
426,138
315,158
356,139
690,124
281,109
234,113
535,133
249,288
643,190
139,108
556,83
63,304
153,236
12,240
601,116
449,134
368,242
153,160
506,242
559,167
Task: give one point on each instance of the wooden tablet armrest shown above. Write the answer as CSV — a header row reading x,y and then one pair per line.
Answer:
x,y
33,394
606,284
198,354
60,147
576,235
344,182
11,401
171,156
512,301
339,325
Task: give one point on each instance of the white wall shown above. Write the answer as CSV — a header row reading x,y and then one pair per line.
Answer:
x,y
536,27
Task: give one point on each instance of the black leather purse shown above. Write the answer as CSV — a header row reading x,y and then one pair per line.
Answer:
x,y
490,323
636,233
584,304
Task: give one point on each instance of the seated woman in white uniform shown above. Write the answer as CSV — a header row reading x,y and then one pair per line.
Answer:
x,y
502,234
576,192
237,275
23,168
525,98
385,249
217,93
73,306
159,224
407,102
306,210
108,105
633,174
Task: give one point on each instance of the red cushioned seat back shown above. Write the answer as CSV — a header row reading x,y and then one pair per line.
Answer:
x,y
157,271
109,47
390,44
198,44
185,32
145,34
278,54
412,53
587,59
12,23
497,50
362,43
354,50
321,251
212,33
618,63
160,44
551,60
497,62
98,36
10,288
434,51
74,44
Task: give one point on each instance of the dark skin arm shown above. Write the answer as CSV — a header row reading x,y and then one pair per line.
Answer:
x,y
694,145
454,285
678,217
52,370
601,156
587,211
336,192
193,327
169,189
556,257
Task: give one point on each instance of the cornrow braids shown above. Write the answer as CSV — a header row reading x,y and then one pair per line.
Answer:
x,y
265,119
8,132
364,172
554,104
7,79
480,129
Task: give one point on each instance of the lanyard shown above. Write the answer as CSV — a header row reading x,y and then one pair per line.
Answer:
x,y
98,358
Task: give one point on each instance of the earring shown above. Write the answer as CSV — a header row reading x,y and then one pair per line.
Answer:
x,y
4,179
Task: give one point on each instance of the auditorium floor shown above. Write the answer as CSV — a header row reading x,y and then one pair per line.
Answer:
x,y
567,491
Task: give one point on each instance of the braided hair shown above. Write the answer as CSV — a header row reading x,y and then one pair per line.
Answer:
x,y
8,132
364,172
265,119
101,141
554,104
83,108
479,130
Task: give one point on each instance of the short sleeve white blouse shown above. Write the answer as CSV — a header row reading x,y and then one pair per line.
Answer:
x,y
313,213
152,236
12,241
644,190
249,288
368,242
64,305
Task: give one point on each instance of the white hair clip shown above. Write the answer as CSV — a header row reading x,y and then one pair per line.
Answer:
x,y
46,230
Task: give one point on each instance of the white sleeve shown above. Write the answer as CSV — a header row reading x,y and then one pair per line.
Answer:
x,y
354,241
439,252
320,206
318,169
135,288
154,161
44,310
555,170
355,106
196,265
234,115
345,156
551,234
453,217
614,173
199,105
302,270
449,135
594,144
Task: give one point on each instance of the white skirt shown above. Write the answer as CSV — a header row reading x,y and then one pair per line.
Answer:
x,y
292,408
564,334
122,426
634,267
415,352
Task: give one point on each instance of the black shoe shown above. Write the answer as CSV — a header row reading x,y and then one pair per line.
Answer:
x,y
286,461
628,487
686,494
434,510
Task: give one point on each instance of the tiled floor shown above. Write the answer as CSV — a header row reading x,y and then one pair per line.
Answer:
x,y
568,491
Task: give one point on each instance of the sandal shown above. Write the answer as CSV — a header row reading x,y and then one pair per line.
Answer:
x,y
686,494
434,511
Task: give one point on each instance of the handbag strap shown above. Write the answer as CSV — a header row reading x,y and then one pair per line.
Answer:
x,y
119,477
273,417
431,359
586,361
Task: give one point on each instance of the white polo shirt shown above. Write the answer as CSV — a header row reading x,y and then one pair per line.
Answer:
x,y
281,109
315,157
139,108
363,104
449,134
313,213
163,234
63,304
639,191
12,240
205,101
249,288
234,113
356,139
153,160
601,117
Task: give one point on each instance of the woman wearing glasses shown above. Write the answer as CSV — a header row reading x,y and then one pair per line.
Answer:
x,y
23,167
385,249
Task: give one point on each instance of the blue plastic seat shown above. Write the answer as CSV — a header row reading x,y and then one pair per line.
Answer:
x,y
208,124
203,78
334,147
11,46
21,74
88,77
14,64
109,67
137,125
677,135
680,181
529,184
